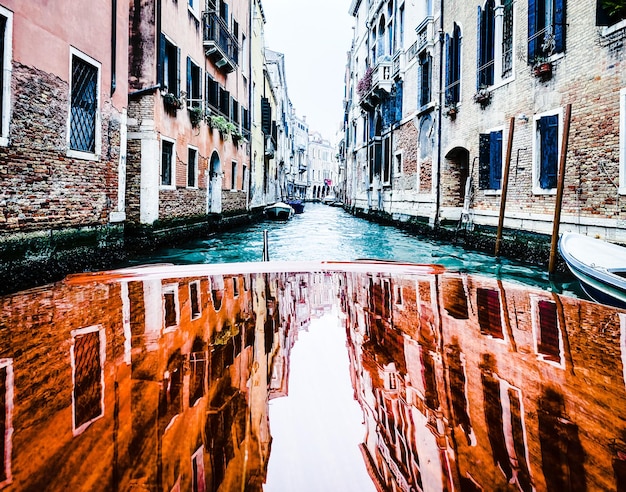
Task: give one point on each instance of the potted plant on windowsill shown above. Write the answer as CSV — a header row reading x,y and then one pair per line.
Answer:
x,y
482,96
172,101
451,110
222,125
542,67
196,115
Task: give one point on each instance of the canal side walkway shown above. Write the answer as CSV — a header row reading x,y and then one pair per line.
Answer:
x,y
28,261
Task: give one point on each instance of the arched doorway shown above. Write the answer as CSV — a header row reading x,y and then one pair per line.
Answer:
x,y
214,188
457,178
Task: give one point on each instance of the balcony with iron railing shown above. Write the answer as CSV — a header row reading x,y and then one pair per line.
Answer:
x,y
219,43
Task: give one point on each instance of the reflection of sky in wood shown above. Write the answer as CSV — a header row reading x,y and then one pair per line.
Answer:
x,y
315,37
317,428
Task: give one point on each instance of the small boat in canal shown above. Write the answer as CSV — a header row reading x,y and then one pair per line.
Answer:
x,y
600,267
279,211
297,205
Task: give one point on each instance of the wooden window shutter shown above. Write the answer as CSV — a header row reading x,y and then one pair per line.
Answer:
x,y
548,126
483,161
266,116
532,30
495,160
559,26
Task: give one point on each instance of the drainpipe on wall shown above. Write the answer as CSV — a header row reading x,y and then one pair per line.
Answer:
x,y
439,118
113,45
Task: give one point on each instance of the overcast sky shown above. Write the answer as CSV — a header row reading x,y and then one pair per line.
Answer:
x,y
315,36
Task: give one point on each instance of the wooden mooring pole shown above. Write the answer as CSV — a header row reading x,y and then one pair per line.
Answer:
x,y
266,250
559,190
505,185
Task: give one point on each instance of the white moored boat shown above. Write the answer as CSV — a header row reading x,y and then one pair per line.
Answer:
x,y
278,211
600,267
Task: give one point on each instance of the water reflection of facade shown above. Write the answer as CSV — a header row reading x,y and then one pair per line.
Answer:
x,y
465,382
469,384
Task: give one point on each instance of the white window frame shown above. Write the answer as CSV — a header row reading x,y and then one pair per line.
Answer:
x,y
233,178
102,338
622,141
193,7
170,289
195,165
172,185
7,67
536,140
199,295
190,101
398,164
536,326
77,154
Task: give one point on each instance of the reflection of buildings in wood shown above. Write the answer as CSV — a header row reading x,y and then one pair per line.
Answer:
x,y
488,353
157,371
175,375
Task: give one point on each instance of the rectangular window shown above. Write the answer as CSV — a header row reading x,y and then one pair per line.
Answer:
x,y
194,84
489,317
194,7
425,77
6,420
192,167
244,181
225,102
170,306
507,39
212,92
6,55
84,128
490,160
194,299
169,66
197,369
546,153
486,45
224,11
453,66
234,110
233,182
547,337
398,164
235,286
87,354
167,163
387,160
546,28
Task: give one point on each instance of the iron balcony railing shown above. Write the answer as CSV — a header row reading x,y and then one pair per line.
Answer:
x,y
219,43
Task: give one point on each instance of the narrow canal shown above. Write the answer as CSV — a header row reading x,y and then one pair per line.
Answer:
x,y
220,372
330,233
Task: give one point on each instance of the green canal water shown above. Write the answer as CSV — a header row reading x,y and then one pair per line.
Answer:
x,y
324,233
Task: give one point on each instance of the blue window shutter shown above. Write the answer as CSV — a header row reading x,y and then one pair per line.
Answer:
x,y
559,26
548,126
189,94
532,29
483,161
448,69
456,67
160,59
489,26
479,49
495,160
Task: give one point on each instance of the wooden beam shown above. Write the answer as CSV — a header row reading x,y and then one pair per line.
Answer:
x,y
505,185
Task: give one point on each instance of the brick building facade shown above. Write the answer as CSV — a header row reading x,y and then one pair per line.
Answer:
x,y
472,74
